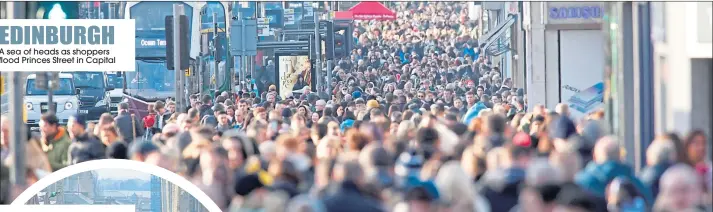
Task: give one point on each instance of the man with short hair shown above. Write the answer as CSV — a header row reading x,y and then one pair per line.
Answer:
x,y
562,109
223,122
206,105
162,115
84,147
171,107
55,141
130,127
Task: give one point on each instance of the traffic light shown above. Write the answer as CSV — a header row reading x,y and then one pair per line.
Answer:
x,y
340,49
342,38
57,10
183,42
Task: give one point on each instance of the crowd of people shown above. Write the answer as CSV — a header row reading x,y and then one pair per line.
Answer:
x,y
418,120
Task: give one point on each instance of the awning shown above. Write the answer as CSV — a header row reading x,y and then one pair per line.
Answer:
x,y
494,34
372,10
343,15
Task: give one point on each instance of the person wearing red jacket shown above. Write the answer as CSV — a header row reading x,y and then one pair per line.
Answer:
x,y
149,121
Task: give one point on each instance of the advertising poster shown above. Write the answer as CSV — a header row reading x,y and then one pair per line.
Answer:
x,y
294,74
263,27
289,16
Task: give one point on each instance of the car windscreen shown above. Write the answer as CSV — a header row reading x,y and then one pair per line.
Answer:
x,y
65,88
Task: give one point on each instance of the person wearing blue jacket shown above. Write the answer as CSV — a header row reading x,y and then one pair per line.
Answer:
x,y
607,166
473,112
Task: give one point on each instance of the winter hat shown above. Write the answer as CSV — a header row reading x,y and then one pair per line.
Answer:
x,y
246,184
372,104
562,128
356,94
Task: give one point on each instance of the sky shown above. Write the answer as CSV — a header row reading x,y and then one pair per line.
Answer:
x,y
122,174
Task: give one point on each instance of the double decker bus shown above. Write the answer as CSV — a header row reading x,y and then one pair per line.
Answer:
x,y
152,81
220,11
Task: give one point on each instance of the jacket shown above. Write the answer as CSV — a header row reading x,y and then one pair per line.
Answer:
x,y
651,175
57,149
205,110
595,178
350,199
85,148
124,124
501,188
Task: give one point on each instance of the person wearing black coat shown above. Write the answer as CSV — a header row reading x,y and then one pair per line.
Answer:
x,y
84,146
349,197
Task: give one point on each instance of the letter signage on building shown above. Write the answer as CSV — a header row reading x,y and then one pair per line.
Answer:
x,y
574,12
583,12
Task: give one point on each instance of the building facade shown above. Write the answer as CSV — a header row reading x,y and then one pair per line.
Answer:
x,y
658,71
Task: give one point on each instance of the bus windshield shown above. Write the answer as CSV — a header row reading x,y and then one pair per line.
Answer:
x,y
65,88
89,80
151,75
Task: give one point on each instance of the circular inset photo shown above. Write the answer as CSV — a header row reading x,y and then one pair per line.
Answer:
x,y
118,182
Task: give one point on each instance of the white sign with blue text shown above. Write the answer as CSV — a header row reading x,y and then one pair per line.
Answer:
x,y
29,45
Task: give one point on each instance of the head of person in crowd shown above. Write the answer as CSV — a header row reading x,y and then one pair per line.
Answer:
x,y
542,183
171,107
622,195
562,109
680,190
117,150
141,150
104,120
50,127
76,126
109,134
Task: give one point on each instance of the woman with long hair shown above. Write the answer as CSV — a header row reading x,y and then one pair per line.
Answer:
x,y
696,146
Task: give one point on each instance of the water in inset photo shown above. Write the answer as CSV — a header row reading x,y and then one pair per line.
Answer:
x,y
147,192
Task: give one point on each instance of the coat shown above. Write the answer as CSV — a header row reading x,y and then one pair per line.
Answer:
x,y
124,124
57,149
350,199
85,148
651,175
501,188
596,177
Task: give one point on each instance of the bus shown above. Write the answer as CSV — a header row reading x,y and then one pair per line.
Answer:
x,y
152,81
221,10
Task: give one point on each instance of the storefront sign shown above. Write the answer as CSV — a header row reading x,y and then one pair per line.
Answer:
x,y
574,12
583,12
